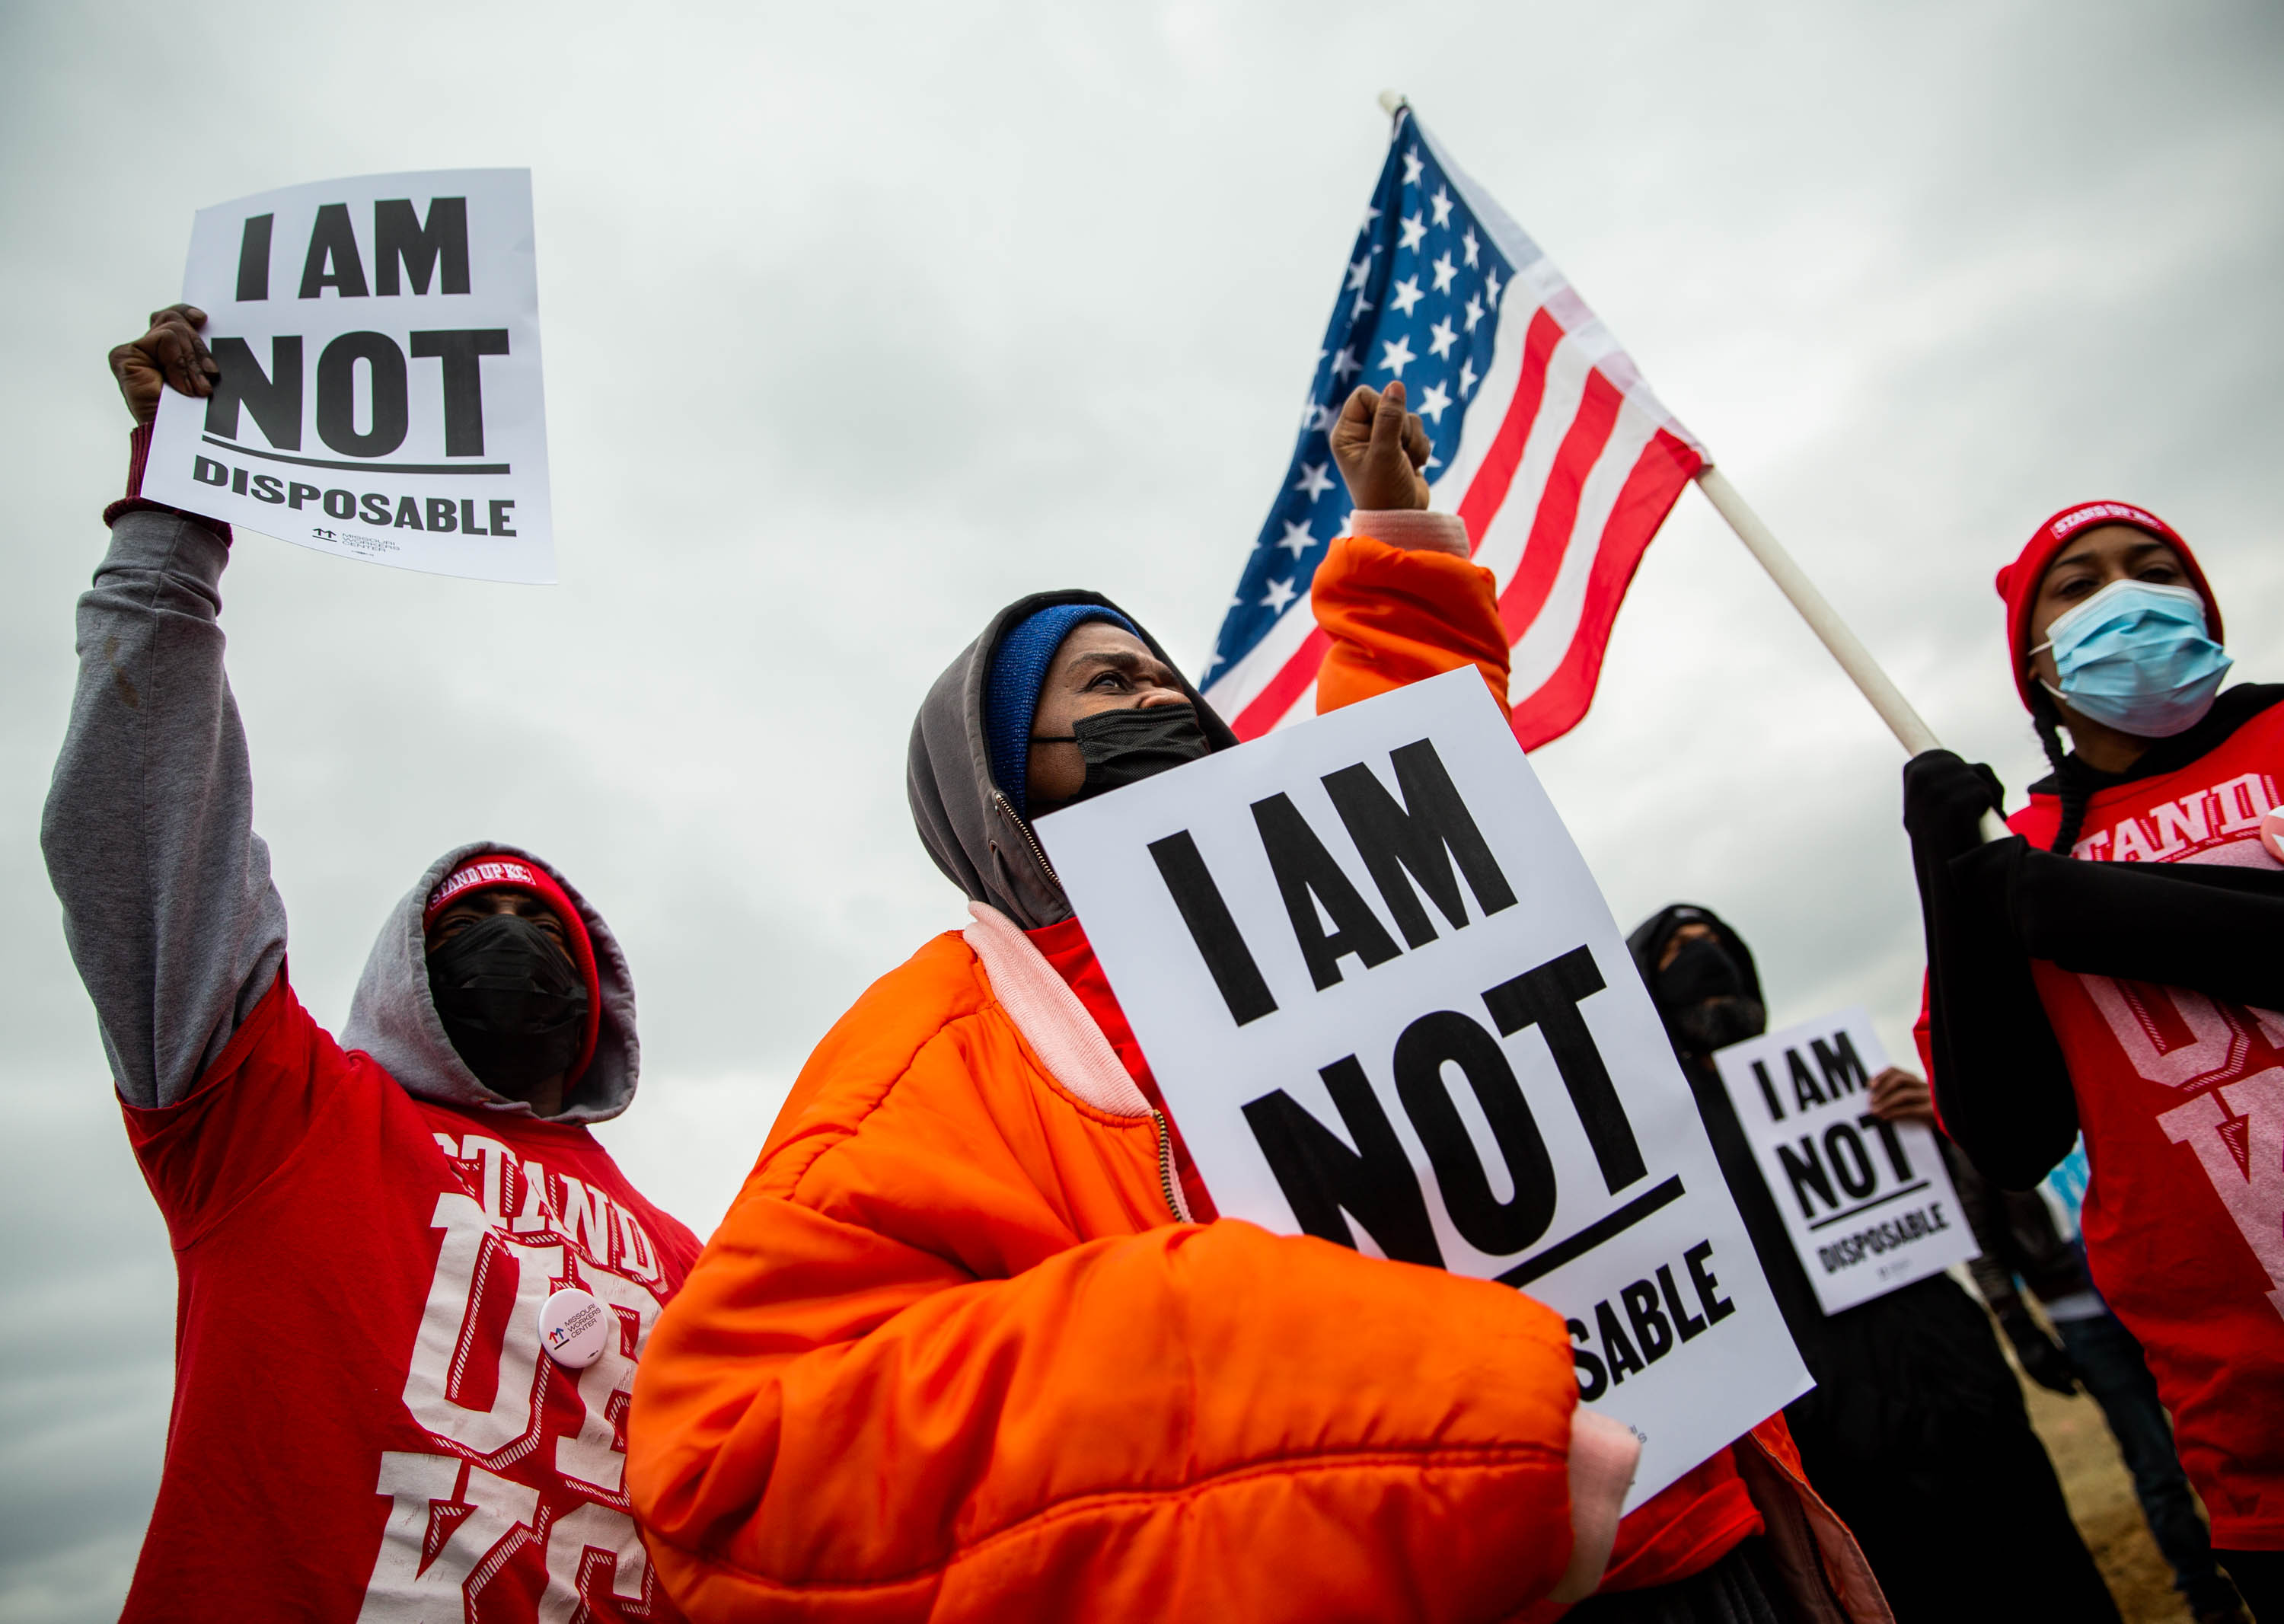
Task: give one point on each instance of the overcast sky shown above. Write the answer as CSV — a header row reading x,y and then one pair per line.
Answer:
x,y
862,320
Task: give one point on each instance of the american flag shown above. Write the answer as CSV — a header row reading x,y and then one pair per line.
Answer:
x,y
1547,442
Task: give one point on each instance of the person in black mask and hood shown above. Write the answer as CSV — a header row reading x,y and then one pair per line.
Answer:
x,y
1916,1431
412,1285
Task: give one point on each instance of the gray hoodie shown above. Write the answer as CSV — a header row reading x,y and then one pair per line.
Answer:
x,y
168,907
973,830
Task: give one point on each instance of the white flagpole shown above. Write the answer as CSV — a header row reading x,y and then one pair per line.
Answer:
x,y
1913,733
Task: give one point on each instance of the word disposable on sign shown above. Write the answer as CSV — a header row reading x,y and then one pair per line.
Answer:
x,y
1389,1008
381,392
1659,1318
1867,1202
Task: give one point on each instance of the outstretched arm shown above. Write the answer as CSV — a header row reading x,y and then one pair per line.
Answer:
x,y
148,829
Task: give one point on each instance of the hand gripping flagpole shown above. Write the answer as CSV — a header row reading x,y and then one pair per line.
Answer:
x,y
1913,733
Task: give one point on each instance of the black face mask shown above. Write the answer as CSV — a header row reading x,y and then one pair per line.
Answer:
x,y
511,1001
1702,996
1702,969
1126,747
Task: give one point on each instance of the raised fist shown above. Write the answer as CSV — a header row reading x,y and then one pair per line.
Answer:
x,y
170,353
1380,449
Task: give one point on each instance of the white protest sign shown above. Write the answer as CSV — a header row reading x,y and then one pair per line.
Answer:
x,y
379,398
1388,1007
1868,1204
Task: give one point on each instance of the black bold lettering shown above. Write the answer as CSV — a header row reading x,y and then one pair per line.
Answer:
x,y
1851,1165
337,394
341,503
1892,1143
464,383
1805,1092
1594,1380
468,524
267,487
376,509
1320,1175
1844,1073
254,257
1651,1330
1307,877
407,514
1489,1224
499,528
1191,883
1422,835
1768,1090
332,260
1687,1323
206,470
398,237
1717,1306
1548,999
1616,1348
273,397
237,480
441,514
1806,1175
297,493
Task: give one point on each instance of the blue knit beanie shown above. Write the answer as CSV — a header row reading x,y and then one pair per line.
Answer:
x,y
1019,665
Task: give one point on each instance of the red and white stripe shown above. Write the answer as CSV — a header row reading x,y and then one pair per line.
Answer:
x,y
1566,466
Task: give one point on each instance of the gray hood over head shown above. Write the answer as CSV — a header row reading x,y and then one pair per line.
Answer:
x,y
977,838
393,1020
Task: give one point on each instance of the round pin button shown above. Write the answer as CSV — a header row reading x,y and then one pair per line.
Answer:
x,y
574,1327
2271,831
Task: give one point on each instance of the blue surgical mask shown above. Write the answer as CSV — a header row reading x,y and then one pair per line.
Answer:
x,y
2135,657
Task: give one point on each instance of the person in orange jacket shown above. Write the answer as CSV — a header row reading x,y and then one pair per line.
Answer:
x,y
972,1344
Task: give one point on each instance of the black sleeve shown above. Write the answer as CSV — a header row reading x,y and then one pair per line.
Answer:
x,y
1999,1080
2219,930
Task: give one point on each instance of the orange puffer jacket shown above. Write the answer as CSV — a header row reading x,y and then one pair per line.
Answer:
x,y
957,1354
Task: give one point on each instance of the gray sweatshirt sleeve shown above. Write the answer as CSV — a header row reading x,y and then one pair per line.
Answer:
x,y
148,832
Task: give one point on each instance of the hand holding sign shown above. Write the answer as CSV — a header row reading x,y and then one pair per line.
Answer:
x,y
368,383
172,353
1850,1154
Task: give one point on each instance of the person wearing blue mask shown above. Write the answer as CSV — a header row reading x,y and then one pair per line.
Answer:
x,y
2116,965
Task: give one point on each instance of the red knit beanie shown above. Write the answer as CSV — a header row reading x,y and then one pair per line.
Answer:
x,y
498,870
2019,581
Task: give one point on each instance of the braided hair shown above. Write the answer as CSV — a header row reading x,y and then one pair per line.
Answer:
x,y
2069,781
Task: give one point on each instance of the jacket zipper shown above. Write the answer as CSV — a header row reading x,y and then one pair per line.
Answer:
x,y
1169,1182
1030,840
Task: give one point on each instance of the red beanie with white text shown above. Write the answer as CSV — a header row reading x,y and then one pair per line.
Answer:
x,y
2019,581
498,870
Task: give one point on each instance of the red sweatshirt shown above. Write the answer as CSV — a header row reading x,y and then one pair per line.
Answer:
x,y
368,1427
2181,1100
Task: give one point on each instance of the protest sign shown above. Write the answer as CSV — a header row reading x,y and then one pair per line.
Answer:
x,y
380,398
1867,1203
1388,1007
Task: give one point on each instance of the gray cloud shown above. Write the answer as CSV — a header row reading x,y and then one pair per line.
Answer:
x,y
862,320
